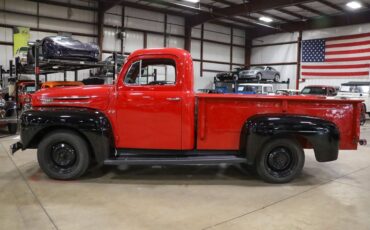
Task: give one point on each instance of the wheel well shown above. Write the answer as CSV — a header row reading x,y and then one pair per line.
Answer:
x,y
301,140
41,134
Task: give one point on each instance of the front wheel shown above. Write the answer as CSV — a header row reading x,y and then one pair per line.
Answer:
x,y
277,78
280,161
63,155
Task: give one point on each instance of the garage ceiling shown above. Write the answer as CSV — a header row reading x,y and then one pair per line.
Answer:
x,y
287,15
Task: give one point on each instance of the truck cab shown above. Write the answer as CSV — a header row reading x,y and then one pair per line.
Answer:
x,y
151,115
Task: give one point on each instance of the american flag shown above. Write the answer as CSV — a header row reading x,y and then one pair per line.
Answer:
x,y
336,57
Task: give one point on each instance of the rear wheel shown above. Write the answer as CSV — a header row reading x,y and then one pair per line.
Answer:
x,y
63,155
12,128
280,161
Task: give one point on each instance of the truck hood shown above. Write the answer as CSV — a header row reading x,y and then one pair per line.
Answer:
x,y
95,97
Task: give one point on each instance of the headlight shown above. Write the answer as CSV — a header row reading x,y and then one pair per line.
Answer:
x,y
27,100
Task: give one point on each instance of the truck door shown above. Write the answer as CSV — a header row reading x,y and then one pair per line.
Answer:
x,y
149,105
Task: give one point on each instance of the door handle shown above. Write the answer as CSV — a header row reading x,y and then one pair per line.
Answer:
x,y
173,99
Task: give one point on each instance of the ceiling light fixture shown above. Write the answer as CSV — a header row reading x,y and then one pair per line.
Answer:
x,y
192,1
354,5
265,19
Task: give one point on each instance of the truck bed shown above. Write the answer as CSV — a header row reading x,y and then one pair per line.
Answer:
x,y
221,116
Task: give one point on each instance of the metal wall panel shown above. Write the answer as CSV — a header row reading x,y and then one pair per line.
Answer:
x,y
6,34
112,20
276,38
175,20
196,32
18,20
238,55
217,67
61,25
216,52
133,41
155,41
175,42
110,42
336,31
117,10
5,55
217,33
138,23
274,54
195,49
21,6
38,35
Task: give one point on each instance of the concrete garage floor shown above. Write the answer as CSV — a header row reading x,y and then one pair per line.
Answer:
x,y
333,195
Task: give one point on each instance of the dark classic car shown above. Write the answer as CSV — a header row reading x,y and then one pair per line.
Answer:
x,y
63,47
232,75
109,65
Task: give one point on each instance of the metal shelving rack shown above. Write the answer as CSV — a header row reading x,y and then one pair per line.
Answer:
x,y
233,83
51,66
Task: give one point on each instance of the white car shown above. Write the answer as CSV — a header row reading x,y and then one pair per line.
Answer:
x,y
356,90
22,55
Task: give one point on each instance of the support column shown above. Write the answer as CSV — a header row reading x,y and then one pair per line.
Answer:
x,y
299,50
165,31
231,47
187,35
201,49
100,27
247,51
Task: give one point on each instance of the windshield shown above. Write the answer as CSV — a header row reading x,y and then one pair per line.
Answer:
x,y
23,49
250,88
257,68
29,89
355,88
314,90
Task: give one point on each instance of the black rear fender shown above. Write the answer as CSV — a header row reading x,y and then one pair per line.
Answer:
x,y
309,132
91,124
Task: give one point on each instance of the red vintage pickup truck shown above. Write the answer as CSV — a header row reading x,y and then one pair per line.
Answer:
x,y
152,116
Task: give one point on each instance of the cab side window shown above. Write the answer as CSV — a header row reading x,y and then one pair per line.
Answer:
x,y
152,72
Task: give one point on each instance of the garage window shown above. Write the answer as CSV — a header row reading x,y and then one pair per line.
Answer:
x,y
152,72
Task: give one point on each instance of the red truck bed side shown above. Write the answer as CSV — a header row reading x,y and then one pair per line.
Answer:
x,y
221,116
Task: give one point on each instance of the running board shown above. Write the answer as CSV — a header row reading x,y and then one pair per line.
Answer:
x,y
172,160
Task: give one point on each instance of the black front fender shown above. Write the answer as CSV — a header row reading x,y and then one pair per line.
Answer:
x,y
91,124
321,135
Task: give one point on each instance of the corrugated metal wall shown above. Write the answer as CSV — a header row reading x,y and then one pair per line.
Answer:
x,y
223,47
267,53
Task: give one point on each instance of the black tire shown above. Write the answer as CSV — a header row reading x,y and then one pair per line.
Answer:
x,y
259,77
280,161
63,155
12,128
277,78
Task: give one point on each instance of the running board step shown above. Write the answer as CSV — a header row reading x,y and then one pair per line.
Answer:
x,y
170,160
